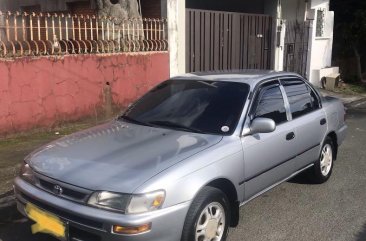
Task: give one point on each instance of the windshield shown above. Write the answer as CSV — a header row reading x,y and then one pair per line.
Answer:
x,y
191,105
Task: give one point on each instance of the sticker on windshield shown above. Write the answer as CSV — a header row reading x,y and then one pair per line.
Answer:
x,y
225,129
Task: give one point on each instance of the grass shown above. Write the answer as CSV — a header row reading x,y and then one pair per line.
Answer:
x,y
15,148
352,89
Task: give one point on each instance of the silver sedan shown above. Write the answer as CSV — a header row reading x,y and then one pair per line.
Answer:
x,y
179,163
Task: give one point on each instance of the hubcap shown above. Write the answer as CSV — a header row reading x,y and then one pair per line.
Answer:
x,y
326,160
211,223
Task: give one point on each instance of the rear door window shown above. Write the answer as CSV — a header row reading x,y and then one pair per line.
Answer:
x,y
301,97
271,104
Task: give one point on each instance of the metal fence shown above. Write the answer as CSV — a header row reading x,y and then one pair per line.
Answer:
x,y
31,34
296,46
225,40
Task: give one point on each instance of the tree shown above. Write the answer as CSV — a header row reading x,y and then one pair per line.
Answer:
x,y
350,31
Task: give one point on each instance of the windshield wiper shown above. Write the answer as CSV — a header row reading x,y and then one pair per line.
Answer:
x,y
176,126
133,121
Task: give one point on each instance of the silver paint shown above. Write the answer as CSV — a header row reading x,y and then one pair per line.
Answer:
x,y
133,159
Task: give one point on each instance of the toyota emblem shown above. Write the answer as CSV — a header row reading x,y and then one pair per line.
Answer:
x,y
57,190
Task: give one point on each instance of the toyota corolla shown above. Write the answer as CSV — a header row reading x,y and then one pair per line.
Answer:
x,y
180,161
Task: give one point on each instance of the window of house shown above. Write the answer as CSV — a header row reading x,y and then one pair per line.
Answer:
x,y
301,97
271,105
320,23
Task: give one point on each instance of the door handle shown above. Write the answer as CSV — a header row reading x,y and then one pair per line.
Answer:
x,y
323,121
290,136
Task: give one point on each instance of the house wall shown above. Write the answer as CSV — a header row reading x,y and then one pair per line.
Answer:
x,y
244,6
176,11
293,9
151,8
42,5
320,48
41,92
271,8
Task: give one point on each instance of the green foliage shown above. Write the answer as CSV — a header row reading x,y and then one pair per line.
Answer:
x,y
353,89
350,31
350,23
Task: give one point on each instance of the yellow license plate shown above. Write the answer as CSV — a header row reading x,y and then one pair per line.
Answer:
x,y
45,222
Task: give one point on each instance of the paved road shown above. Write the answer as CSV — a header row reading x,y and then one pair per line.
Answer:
x,y
296,210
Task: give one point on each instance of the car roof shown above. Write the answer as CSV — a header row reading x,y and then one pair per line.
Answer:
x,y
250,77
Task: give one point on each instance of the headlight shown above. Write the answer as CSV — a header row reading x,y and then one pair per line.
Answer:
x,y
109,200
129,204
27,173
146,202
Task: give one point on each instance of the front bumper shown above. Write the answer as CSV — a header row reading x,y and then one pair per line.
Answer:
x,y
92,224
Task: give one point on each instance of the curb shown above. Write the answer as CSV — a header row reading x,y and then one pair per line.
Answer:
x,y
355,103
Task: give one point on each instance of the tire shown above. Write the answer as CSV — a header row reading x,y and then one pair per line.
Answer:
x,y
324,166
204,215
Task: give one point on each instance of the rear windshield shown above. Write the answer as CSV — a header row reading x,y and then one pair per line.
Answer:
x,y
191,105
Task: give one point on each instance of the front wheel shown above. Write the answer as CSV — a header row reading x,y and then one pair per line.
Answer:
x,y
324,166
208,217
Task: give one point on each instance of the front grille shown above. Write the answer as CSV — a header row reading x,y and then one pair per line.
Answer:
x,y
70,192
63,214
77,234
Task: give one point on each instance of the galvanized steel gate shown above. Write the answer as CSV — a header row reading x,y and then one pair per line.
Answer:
x,y
296,47
225,40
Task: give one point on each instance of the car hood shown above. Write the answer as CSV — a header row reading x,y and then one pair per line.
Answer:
x,y
116,156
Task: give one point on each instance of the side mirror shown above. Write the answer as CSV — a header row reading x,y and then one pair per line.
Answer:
x,y
262,125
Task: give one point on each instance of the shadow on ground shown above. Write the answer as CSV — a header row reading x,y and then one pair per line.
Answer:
x,y
303,178
13,226
21,232
361,236
19,229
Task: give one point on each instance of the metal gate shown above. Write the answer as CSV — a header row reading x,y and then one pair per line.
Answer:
x,y
296,47
226,40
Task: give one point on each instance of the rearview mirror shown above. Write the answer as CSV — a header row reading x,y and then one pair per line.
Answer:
x,y
262,125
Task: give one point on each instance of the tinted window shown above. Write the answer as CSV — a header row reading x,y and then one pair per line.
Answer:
x,y
271,105
301,97
192,105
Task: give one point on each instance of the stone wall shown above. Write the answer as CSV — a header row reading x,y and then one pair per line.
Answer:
x,y
41,92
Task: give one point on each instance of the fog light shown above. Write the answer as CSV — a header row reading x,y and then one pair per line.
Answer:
x,y
132,230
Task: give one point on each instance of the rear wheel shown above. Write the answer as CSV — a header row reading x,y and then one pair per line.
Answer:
x,y
208,217
324,166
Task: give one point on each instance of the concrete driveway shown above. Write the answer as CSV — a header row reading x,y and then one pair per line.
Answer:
x,y
296,210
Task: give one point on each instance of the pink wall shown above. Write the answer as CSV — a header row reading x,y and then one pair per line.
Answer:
x,y
39,92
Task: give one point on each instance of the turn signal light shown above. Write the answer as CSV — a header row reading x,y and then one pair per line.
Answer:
x,y
132,230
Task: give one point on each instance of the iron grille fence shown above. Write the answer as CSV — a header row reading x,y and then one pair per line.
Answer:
x,y
296,46
31,34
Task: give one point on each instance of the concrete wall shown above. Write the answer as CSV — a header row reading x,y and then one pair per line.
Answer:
x,y
41,92
320,48
293,10
176,11
320,56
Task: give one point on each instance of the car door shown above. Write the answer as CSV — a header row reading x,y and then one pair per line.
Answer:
x,y
308,117
268,157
